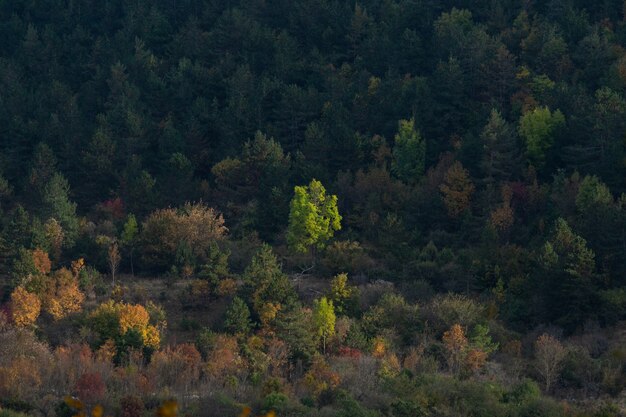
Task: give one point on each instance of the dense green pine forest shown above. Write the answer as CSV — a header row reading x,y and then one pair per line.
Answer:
x,y
383,208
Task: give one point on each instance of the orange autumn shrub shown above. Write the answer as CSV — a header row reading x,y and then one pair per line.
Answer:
x,y
41,261
224,358
475,360
455,343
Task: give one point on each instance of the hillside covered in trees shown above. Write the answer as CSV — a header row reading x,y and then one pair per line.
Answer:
x,y
383,208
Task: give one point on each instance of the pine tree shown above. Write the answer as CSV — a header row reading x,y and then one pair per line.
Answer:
x,y
501,155
265,282
57,205
568,277
237,319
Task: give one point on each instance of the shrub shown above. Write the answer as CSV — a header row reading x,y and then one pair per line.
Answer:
x,y
90,388
167,232
276,401
11,413
449,309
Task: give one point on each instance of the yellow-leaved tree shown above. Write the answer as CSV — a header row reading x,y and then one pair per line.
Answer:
x,y
126,318
25,307
62,295
135,316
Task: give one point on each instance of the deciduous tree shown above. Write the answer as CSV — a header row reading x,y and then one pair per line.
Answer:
x,y
457,189
129,238
25,307
456,344
538,127
549,355
324,318
313,217
114,259
409,152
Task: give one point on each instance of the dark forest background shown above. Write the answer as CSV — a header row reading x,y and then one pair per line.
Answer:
x,y
477,150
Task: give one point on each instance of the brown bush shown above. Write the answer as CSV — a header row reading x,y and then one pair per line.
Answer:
x,y
90,388
164,231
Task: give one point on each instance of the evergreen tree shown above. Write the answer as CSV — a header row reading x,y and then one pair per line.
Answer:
x,y
57,205
265,282
501,156
569,276
237,319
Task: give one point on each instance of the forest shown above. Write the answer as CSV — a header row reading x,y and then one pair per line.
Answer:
x,y
313,208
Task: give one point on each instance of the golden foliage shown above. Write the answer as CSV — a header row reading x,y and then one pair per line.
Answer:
x,y
454,339
129,316
25,307
379,347
78,266
413,359
455,342
68,299
457,189
168,409
151,337
133,317
390,366
268,313
321,377
62,295
97,411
